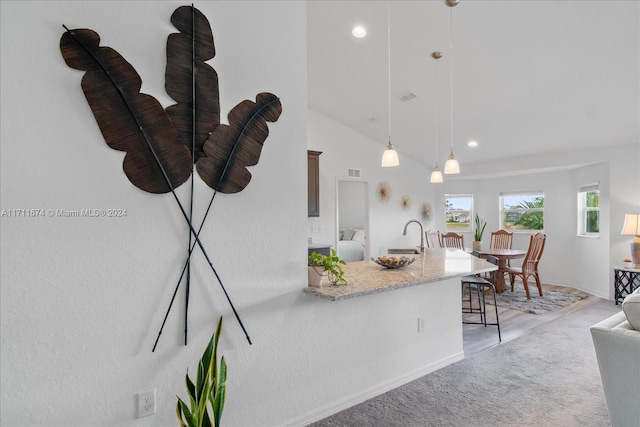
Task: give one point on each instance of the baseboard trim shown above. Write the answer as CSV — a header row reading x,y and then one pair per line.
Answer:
x,y
349,401
586,291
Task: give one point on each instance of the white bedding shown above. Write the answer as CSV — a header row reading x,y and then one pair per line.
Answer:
x,y
351,250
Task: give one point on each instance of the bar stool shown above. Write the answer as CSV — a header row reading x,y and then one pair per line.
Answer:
x,y
481,285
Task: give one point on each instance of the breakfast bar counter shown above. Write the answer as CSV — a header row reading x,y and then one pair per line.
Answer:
x,y
435,264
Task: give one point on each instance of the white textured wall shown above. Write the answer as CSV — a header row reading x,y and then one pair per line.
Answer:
x,y
83,299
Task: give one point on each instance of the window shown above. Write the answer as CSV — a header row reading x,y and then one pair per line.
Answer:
x,y
458,211
589,211
522,211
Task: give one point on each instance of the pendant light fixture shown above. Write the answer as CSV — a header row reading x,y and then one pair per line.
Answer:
x,y
452,165
436,175
389,157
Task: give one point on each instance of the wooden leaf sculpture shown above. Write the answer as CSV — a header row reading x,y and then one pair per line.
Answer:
x,y
191,82
233,147
129,120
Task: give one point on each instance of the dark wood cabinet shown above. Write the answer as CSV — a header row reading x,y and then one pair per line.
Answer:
x,y
313,182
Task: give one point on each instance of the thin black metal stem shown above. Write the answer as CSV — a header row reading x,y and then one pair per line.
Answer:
x,y
193,162
168,182
182,274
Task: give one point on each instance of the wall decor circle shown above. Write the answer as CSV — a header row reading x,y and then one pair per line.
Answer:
x,y
425,211
405,202
384,192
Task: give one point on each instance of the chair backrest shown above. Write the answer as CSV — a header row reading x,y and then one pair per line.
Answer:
x,y
534,253
433,239
452,240
501,239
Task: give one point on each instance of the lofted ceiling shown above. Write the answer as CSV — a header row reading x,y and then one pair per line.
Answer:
x,y
529,77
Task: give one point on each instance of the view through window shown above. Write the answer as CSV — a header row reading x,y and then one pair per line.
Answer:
x,y
589,211
522,211
458,211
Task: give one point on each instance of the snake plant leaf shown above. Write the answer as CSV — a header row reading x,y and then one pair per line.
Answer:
x,y
191,82
233,147
182,410
130,121
191,388
200,382
214,360
220,392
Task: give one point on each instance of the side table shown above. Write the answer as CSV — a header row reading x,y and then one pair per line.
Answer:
x,y
625,281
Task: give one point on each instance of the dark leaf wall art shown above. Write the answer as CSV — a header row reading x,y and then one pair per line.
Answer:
x,y
190,81
163,146
129,120
233,147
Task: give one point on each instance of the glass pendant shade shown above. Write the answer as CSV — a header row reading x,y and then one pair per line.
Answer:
x,y
436,175
452,165
390,157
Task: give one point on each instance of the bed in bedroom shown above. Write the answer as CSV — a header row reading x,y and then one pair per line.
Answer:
x,y
351,244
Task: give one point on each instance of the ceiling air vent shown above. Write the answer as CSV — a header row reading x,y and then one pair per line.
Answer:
x,y
407,96
353,173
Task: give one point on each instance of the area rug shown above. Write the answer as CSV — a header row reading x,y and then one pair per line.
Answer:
x,y
546,377
550,301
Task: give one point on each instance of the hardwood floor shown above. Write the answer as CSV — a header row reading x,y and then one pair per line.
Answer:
x,y
515,323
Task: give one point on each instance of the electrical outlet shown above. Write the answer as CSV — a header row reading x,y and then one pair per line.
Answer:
x,y
147,403
420,324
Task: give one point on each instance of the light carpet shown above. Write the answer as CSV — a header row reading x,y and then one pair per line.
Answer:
x,y
546,377
550,301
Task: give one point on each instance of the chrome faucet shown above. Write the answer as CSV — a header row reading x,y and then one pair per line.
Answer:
x,y
404,233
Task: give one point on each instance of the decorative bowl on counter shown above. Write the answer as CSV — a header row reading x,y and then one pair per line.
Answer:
x,y
393,261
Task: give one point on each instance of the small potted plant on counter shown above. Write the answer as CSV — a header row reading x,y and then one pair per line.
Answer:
x,y
478,232
320,264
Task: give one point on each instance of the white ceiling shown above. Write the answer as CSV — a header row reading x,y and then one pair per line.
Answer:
x,y
528,76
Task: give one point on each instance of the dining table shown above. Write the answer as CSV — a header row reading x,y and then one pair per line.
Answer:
x,y
503,255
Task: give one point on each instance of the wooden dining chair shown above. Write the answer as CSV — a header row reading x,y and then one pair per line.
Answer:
x,y
433,238
529,264
501,239
452,240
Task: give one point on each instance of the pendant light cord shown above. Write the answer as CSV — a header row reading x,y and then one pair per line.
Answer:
x,y
436,94
451,71
389,64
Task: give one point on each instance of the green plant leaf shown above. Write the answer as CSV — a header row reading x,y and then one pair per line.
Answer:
x,y
208,357
200,382
220,393
190,387
209,389
214,366
206,419
188,416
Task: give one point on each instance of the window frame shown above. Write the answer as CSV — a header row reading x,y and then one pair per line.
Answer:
x,y
583,210
503,211
468,229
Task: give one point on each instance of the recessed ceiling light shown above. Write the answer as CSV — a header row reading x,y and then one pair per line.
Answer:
x,y
472,143
359,32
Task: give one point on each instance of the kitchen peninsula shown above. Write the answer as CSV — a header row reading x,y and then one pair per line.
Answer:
x,y
384,328
435,264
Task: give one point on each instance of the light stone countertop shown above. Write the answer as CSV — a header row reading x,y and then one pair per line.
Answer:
x,y
367,277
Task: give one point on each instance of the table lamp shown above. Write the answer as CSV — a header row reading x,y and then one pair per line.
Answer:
x,y
632,227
